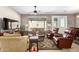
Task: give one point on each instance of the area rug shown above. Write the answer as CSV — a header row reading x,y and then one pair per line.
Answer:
x,y
47,44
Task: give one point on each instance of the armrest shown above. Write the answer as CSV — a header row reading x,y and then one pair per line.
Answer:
x,y
58,35
58,38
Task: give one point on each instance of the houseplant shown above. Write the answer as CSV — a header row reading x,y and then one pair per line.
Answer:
x,y
22,30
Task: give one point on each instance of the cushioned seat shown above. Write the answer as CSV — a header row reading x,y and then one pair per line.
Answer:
x,y
11,35
14,44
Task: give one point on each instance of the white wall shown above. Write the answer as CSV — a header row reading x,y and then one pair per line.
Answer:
x,y
9,13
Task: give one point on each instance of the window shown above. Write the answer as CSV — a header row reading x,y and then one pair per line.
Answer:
x,y
36,24
62,22
55,22
59,21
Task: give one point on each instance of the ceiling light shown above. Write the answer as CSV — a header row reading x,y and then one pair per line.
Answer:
x,y
35,11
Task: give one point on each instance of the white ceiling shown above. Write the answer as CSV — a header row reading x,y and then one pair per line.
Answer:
x,y
46,9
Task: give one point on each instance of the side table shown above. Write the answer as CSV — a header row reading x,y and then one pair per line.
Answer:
x,y
33,39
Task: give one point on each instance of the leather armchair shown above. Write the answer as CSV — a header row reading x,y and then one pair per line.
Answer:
x,y
72,31
63,42
50,34
66,40
77,32
55,30
54,33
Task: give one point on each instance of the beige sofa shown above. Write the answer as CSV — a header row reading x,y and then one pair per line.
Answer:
x,y
14,44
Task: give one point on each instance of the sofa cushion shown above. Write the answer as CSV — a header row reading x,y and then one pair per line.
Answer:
x,y
14,44
11,35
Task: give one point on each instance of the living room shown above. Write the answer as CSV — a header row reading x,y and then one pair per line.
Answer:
x,y
39,29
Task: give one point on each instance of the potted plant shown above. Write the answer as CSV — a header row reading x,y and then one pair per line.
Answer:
x,y
22,30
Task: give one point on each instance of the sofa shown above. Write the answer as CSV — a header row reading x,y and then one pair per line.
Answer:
x,y
14,44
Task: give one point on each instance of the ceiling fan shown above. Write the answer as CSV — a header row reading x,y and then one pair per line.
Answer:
x,y
35,11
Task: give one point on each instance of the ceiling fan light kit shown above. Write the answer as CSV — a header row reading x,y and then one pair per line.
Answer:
x,y
35,11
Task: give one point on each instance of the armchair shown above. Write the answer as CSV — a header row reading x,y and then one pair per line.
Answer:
x,y
66,40
54,33
50,35
63,42
72,31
